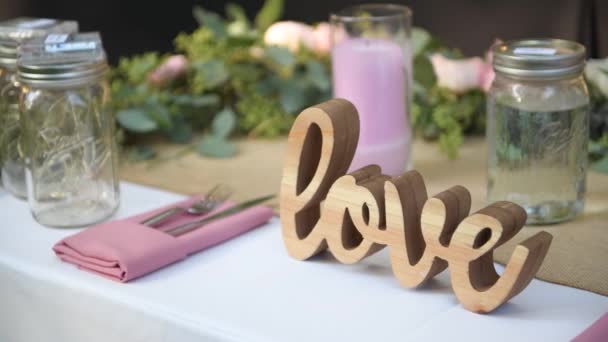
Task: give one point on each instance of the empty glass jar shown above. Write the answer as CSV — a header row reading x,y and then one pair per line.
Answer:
x,y
12,33
538,128
71,161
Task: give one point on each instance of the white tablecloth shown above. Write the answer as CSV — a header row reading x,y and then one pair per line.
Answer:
x,y
248,289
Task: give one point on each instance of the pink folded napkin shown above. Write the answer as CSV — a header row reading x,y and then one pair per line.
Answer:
x,y
123,250
597,332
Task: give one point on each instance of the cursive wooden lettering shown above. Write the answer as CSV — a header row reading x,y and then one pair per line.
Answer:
x,y
355,215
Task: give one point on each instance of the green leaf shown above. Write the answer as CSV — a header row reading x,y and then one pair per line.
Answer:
x,y
122,91
600,165
212,73
137,68
420,39
236,13
292,97
211,20
270,13
266,86
140,153
280,56
159,113
239,27
180,132
223,123
214,146
318,76
136,120
424,74
198,101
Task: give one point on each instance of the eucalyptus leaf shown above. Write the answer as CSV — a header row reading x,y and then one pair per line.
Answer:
x,y
136,120
160,114
198,101
180,132
270,13
280,56
317,75
216,147
420,40
292,97
266,87
223,123
211,20
212,73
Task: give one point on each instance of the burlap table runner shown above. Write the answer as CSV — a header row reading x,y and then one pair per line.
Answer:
x,y
576,257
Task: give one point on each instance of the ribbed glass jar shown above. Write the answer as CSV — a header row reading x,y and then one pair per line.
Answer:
x,y
71,157
13,33
11,155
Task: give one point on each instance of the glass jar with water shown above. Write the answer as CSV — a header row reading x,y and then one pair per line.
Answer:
x,y
538,128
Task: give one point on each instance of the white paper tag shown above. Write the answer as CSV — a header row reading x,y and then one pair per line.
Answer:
x,y
534,51
72,46
56,38
36,23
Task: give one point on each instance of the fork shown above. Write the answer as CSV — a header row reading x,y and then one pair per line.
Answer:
x,y
216,196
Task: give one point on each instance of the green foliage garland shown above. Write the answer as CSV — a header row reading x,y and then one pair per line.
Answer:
x,y
234,85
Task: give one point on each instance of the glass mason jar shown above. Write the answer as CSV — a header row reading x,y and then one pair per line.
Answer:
x,y
11,156
71,159
538,128
372,68
12,33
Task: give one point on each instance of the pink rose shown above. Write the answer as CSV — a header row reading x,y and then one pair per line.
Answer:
x,y
458,75
322,38
461,75
172,68
486,76
291,35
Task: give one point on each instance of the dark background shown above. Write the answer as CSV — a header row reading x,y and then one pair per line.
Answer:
x,y
133,26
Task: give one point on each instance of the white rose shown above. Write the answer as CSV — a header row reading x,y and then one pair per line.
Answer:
x,y
291,35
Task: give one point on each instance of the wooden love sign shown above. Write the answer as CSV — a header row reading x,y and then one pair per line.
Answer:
x,y
364,211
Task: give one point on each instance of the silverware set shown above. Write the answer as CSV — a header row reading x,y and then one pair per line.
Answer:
x,y
213,199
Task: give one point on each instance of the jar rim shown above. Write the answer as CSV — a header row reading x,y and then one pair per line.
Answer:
x,y
64,75
539,58
393,11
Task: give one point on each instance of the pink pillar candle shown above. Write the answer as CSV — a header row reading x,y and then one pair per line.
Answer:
x,y
373,74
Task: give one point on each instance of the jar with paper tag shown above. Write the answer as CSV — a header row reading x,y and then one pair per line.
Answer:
x,y
12,34
71,158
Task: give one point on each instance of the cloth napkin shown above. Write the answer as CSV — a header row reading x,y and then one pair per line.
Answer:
x,y
123,250
597,332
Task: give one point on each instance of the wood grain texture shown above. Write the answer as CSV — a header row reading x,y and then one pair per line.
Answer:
x,y
357,214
